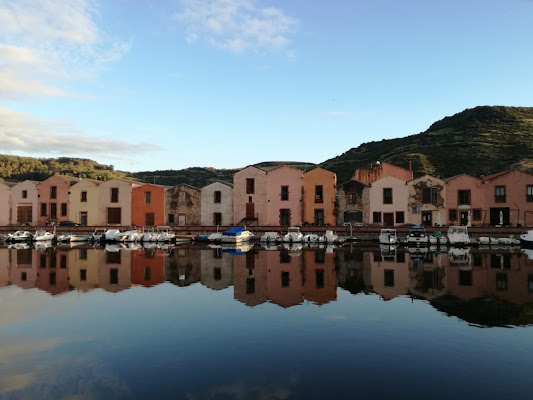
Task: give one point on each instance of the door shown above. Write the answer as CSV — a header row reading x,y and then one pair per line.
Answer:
x,y
83,218
149,218
426,218
24,214
217,218
250,210
285,217
463,218
499,215
53,210
388,219
181,219
319,217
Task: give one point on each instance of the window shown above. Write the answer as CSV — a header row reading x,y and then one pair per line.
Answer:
x,y
320,257
217,218
285,217
170,218
400,257
43,209
465,277
23,276
84,197
250,285
285,279
114,195
53,192
388,277
529,193
319,217
284,193
452,215
182,197
217,274
319,278
387,195
63,209
530,283
52,278
217,252
147,273
463,197
83,254
476,214
218,196
147,197
112,257
114,216
63,261
499,194
43,261
250,186
83,275
24,257
426,195
113,276
53,210
352,199
501,281
284,256
377,217
53,260
400,217
24,194
319,194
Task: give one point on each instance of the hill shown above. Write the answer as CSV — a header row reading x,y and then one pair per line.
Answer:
x,y
478,141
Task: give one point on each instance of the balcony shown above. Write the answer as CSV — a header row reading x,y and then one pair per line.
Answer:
x,y
502,198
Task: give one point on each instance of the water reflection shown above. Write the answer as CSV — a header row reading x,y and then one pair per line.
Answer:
x,y
286,276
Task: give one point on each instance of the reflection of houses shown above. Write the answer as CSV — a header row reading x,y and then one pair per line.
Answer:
x,y
54,198
24,268
250,278
84,202
428,280
148,267
319,192
217,204
24,200
182,266
114,202
83,268
216,268
114,271
250,196
284,196
148,205
53,271
389,274
5,204
182,204
5,267
426,204
353,270
320,279
353,199
284,278
464,195
388,201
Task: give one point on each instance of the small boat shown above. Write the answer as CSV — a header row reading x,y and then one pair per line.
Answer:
x,y
311,238
508,241
215,237
202,238
417,236
19,246
236,235
238,249
111,235
130,236
149,235
293,235
98,234
460,256
329,237
19,236
184,238
388,236
458,235
41,235
42,245
80,238
270,237
487,240
438,238
165,234
526,238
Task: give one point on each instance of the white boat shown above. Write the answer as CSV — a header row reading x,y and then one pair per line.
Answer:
x,y
508,241
295,249
329,237
417,236
293,235
214,237
41,235
98,234
184,238
311,238
388,236
130,236
149,235
80,238
487,240
526,238
19,236
460,256
458,235
437,238
165,234
42,245
236,235
111,235
270,237
19,246
63,238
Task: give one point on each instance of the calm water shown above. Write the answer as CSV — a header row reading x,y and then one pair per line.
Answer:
x,y
203,323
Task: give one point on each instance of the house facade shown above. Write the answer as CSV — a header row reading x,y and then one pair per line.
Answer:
x,y
319,197
148,205
250,196
388,202
284,196
24,201
427,201
53,203
353,203
465,199
5,204
84,202
381,170
217,204
114,202
183,205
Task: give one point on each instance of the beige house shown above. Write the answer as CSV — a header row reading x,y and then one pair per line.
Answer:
x,y
217,204
83,268
114,202
427,201
388,202
183,205
84,202
216,268
24,199
5,204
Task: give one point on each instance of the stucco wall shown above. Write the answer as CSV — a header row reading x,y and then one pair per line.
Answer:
x,y
415,189
464,182
362,201
276,178
209,207
399,198
240,197
62,184
140,207
5,204
383,170
216,268
124,200
328,180
188,204
90,206
31,200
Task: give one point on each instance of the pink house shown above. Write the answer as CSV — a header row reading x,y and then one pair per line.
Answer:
x,y
284,196
5,204
464,195
24,200
250,196
54,198
389,202
381,170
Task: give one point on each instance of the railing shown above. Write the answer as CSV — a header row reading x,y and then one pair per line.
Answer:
x,y
500,198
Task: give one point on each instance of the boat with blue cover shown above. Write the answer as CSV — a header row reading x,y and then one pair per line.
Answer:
x,y
236,234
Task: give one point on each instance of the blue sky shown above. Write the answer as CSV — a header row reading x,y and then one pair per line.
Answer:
x,y
227,83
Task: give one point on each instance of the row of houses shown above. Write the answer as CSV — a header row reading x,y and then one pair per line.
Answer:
x,y
384,195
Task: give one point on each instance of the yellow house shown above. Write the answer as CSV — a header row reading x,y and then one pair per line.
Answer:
x,y
83,268
84,202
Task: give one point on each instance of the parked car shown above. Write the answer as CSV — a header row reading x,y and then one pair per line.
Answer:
x,y
68,223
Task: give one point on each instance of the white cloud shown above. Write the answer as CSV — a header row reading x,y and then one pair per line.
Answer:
x,y
23,133
236,25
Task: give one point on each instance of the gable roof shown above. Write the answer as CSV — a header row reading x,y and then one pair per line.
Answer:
x,y
222,182
496,175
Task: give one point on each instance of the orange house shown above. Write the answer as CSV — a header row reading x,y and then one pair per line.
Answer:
x,y
284,278
320,285
250,278
148,267
319,197
148,205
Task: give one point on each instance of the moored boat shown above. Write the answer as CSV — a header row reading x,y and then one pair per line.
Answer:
x,y
19,236
270,237
388,236
42,235
293,235
417,236
526,238
236,235
165,234
458,235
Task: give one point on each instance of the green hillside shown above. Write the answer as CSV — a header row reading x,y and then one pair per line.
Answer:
x,y
478,141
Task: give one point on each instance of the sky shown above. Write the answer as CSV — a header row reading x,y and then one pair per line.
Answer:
x,y
172,84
